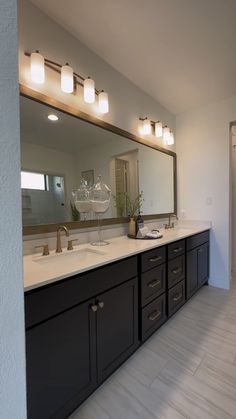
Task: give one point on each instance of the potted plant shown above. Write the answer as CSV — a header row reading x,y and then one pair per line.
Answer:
x,y
131,207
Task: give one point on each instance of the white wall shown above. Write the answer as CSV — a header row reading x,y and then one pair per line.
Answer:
x,y
203,149
156,182
233,190
44,159
127,102
12,355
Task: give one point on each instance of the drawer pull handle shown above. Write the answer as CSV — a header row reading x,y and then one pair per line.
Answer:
x,y
177,297
200,250
176,270
154,283
94,307
155,259
100,304
177,249
154,315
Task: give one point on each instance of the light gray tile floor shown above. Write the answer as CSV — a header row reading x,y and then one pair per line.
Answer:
x,y
187,369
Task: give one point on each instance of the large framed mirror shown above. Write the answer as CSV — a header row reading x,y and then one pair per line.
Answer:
x,y
57,154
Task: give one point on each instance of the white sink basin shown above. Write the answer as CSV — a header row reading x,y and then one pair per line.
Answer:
x,y
68,256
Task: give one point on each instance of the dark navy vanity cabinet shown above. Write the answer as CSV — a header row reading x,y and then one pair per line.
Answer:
x,y
79,330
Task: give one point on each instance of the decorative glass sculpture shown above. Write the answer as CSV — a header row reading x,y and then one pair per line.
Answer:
x,y
100,196
82,200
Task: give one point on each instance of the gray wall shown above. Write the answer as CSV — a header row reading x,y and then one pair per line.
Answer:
x,y
12,355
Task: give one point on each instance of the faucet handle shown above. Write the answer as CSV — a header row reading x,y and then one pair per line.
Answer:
x,y
45,249
70,244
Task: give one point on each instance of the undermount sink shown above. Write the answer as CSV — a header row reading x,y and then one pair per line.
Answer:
x,y
68,256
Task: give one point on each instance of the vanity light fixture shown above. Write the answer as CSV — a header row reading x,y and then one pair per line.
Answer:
x,y
103,104
37,70
89,90
53,117
158,129
67,79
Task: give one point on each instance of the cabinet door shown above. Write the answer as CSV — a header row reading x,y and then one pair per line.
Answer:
x,y
192,273
117,327
203,264
60,360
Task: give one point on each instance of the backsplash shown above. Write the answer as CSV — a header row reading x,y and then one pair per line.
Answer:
x,y
90,234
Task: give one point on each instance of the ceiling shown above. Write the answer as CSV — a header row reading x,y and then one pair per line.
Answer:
x,y
68,134
181,52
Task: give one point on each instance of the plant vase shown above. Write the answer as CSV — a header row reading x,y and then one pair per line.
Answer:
x,y
132,227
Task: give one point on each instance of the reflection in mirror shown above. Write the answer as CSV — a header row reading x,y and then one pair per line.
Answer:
x,y
57,154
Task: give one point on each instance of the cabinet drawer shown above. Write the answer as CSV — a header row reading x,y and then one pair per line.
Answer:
x,y
45,302
197,240
175,249
176,298
153,316
176,270
153,258
153,284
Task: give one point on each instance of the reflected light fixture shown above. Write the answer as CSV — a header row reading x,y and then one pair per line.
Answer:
x,y
103,104
37,70
158,129
166,134
89,90
53,117
67,79
171,139
146,128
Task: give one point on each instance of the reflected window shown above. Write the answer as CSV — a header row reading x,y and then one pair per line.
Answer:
x,y
35,181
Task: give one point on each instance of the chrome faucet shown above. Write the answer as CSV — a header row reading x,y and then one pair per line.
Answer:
x,y
170,225
60,228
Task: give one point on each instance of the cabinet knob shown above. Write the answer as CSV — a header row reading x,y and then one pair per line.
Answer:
x,y
94,307
100,304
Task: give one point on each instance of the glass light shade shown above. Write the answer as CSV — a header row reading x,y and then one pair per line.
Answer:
x,y
37,70
67,79
103,103
147,129
166,134
89,90
158,129
171,139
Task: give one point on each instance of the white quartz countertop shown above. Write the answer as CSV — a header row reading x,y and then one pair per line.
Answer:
x,y
42,270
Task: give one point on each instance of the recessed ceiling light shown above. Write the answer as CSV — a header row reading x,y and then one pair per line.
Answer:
x,y
53,117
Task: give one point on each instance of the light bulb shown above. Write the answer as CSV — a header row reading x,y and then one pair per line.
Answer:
x,y
67,79
103,103
89,90
37,70
166,134
171,139
53,117
147,129
158,129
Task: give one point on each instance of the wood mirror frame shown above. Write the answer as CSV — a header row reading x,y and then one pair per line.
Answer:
x,y
62,107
